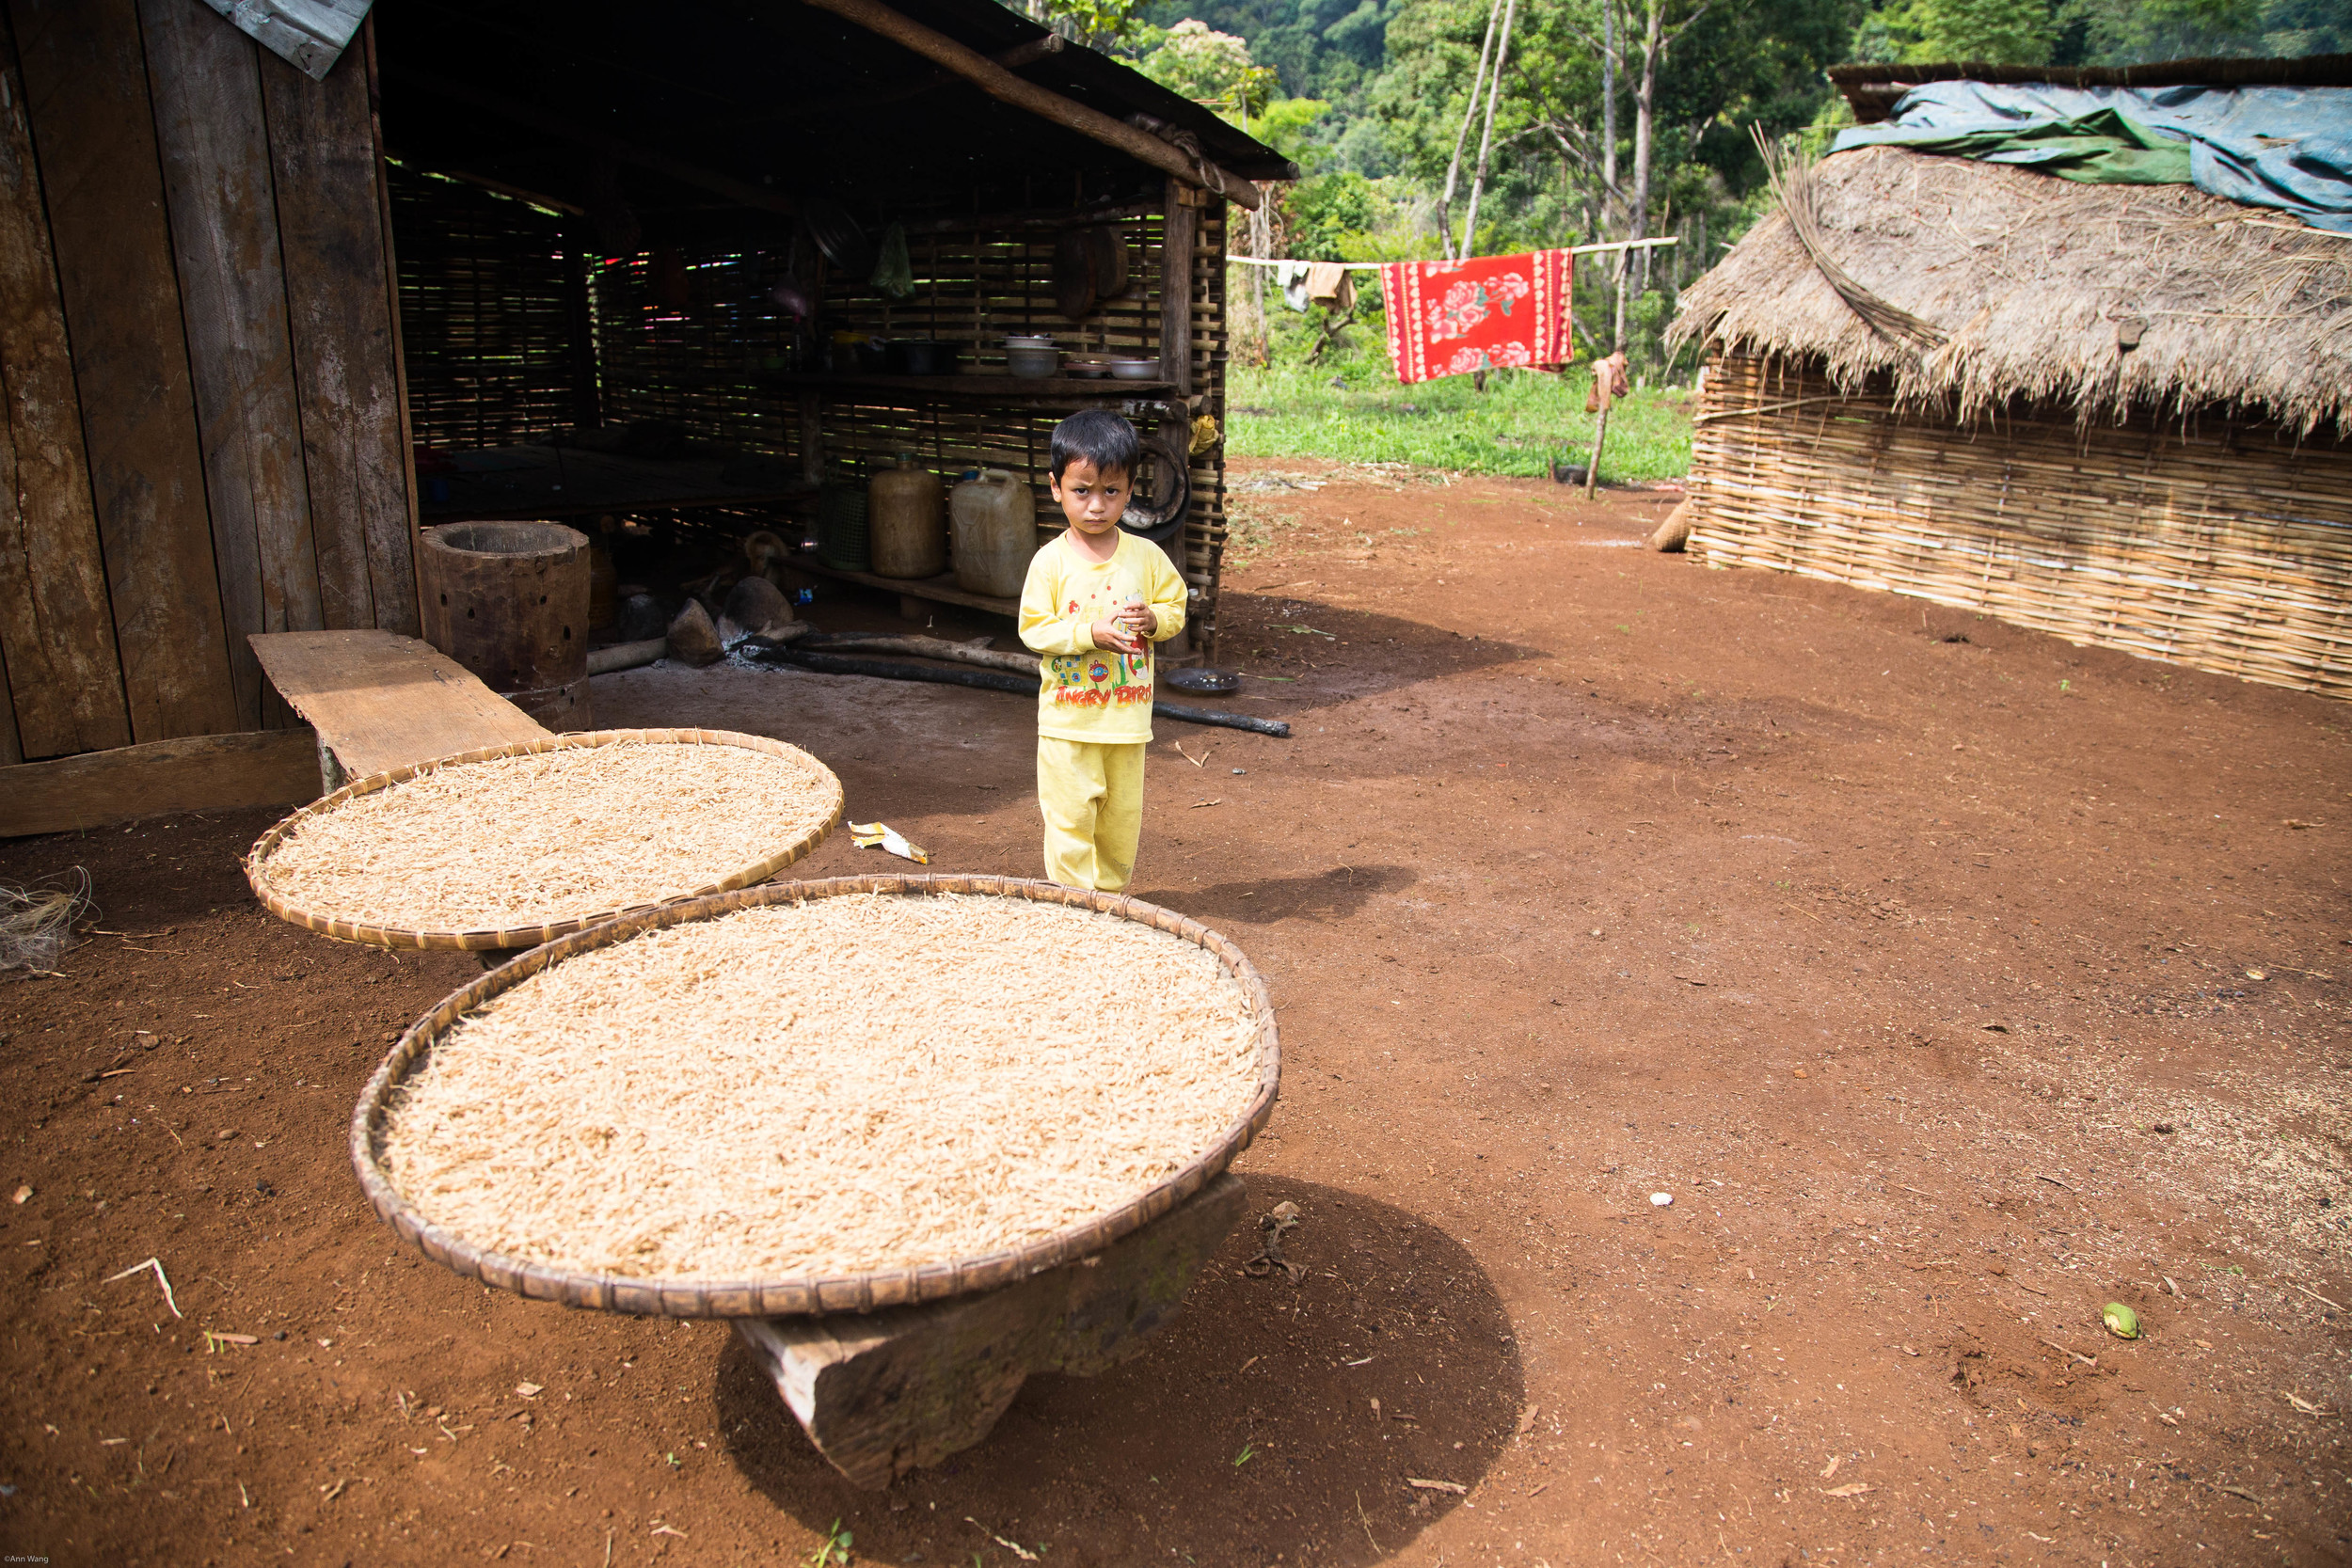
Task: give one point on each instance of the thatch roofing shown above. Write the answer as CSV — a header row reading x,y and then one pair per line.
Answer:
x,y
2039,284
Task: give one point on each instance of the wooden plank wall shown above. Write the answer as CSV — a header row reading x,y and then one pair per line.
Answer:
x,y
202,425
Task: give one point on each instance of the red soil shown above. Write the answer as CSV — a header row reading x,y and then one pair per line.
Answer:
x,y
1955,982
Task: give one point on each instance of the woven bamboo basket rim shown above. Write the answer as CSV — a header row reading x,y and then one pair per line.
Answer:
x,y
532,936
809,1295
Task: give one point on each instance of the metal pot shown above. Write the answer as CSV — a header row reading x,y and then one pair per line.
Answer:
x,y
919,357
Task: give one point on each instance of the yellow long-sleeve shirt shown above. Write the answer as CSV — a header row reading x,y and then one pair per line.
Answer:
x,y
1085,692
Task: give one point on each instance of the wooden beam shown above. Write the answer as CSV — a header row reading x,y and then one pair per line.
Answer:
x,y
1181,228
56,627
201,772
207,85
520,193
1002,85
741,192
94,130
815,108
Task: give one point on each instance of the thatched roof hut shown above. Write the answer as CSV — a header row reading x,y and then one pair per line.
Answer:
x,y
2118,413
2036,285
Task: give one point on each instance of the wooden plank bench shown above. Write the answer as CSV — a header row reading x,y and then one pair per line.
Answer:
x,y
380,701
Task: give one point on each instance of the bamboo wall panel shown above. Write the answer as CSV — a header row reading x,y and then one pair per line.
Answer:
x,y
340,300
87,94
223,206
485,314
64,682
716,365
2223,545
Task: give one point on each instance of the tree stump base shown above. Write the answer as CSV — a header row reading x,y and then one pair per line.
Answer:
x,y
888,1392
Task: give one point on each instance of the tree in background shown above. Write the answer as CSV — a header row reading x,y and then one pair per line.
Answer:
x,y
1616,118
1208,66
2099,32
1096,24
1988,32
1689,77
2134,32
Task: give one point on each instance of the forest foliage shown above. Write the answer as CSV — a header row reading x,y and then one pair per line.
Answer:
x,y
1616,118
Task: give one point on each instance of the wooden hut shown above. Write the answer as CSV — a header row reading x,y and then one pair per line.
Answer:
x,y
2121,414
235,299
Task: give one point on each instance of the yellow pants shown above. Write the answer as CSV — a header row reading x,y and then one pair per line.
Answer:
x,y
1092,798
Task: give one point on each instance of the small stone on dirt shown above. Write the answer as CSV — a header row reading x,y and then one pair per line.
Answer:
x,y
1661,1200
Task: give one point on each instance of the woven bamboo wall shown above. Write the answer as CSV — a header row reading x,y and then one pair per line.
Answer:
x,y
716,366
2224,545
484,316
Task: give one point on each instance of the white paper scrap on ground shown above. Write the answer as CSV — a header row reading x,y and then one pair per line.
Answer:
x,y
868,835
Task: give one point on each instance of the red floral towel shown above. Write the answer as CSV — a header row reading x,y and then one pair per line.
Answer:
x,y
1450,318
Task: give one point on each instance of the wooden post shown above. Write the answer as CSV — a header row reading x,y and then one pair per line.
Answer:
x,y
888,1392
581,345
1601,434
812,439
1179,238
1183,229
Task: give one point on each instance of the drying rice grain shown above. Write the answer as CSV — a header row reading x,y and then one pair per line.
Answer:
x,y
548,835
833,1088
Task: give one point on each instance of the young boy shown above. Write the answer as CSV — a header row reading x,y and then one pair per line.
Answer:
x,y
1095,601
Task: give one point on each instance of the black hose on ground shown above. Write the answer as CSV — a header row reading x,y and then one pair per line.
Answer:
x,y
1223,719
763,652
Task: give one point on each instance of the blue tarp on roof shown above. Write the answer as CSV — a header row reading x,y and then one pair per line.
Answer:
x,y
2289,149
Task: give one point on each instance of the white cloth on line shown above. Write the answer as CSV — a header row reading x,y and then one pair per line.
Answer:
x,y
1291,278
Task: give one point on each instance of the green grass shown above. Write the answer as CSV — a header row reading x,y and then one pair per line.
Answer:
x,y
1519,424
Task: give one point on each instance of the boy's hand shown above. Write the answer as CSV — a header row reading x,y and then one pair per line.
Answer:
x,y
1141,619
1114,634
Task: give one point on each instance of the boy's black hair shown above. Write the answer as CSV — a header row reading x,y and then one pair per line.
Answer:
x,y
1102,437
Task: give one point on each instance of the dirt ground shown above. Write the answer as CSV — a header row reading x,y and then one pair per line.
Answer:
x,y
1953,980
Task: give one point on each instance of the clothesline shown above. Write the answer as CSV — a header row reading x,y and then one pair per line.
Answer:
x,y
1373,266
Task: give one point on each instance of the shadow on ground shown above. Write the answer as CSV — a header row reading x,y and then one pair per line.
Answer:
x,y
1332,895
1317,653
1246,1429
